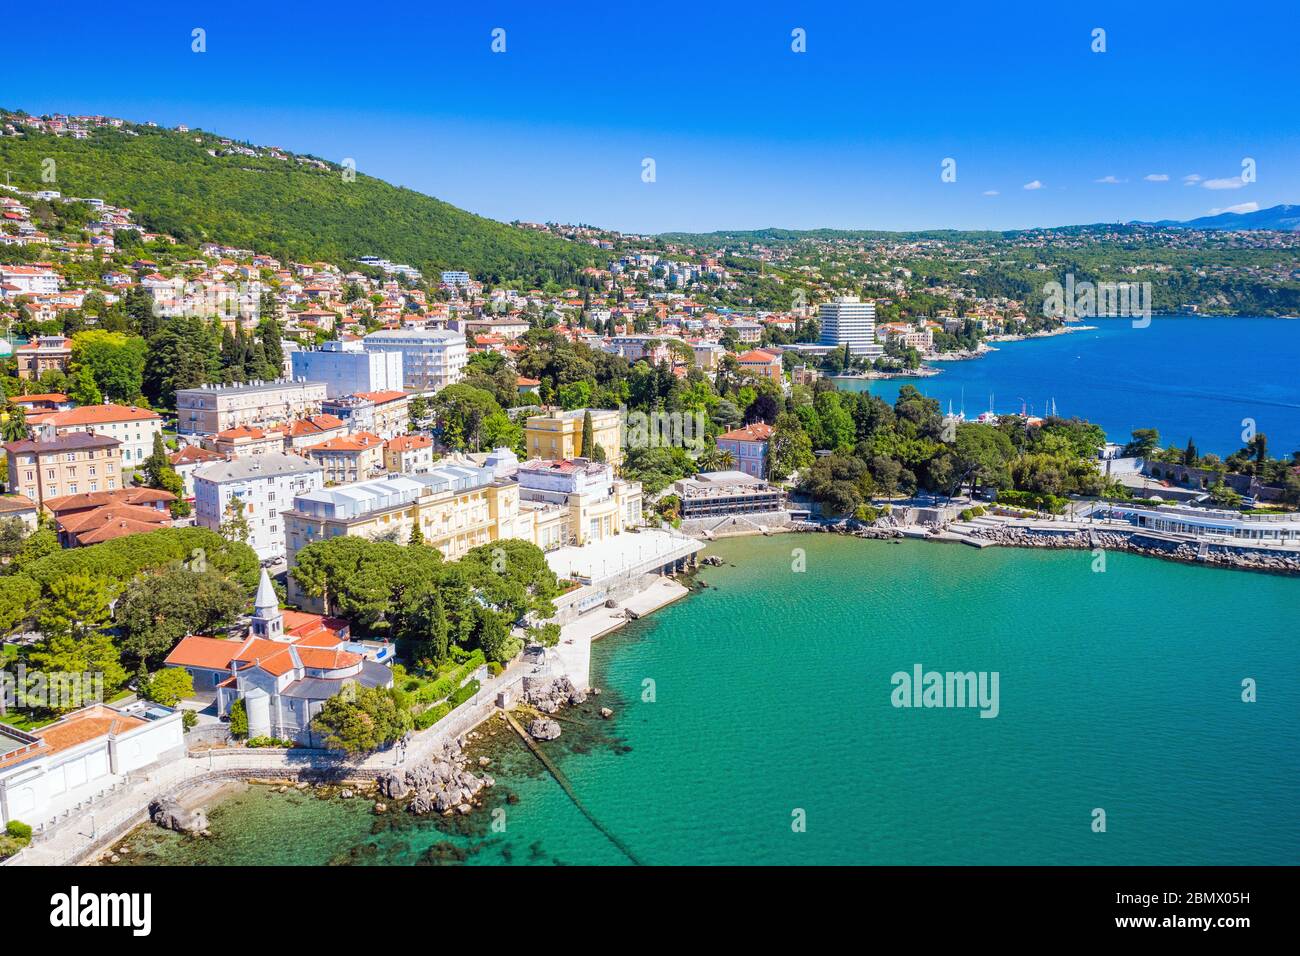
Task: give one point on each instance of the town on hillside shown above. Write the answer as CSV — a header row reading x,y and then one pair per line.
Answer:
x,y
263,506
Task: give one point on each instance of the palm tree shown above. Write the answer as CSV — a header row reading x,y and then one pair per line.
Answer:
x,y
716,459
13,423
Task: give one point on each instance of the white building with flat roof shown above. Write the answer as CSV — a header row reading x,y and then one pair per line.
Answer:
x,y
346,368
51,774
431,358
266,485
847,320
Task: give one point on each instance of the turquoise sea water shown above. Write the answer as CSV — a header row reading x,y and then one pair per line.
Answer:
x,y
1196,377
1118,690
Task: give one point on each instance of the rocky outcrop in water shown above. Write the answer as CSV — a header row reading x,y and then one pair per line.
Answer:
x,y
549,694
170,814
540,728
438,785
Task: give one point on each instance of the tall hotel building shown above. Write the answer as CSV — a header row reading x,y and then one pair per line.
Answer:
x,y
847,320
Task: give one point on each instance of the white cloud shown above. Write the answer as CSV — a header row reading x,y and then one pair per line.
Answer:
x,y
1191,179
1156,177
991,192
1110,180
1240,207
1034,185
1232,182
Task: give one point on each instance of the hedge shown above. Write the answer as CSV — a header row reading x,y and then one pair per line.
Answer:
x,y
1054,504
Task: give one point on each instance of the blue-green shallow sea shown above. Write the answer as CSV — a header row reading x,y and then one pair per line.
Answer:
x,y
1119,690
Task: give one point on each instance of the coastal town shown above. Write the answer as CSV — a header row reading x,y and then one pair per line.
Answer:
x,y
316,522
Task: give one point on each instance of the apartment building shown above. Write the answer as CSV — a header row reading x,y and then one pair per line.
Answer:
x,y
265,485
134,427
245,440
385,413
69,464
30,280
431,358
347,368
763,364
558,435
209,409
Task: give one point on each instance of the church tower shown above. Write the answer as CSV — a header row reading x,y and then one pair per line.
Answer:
x,y
268,620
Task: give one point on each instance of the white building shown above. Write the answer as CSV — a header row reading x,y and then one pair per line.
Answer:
x,y
346,368
48,774
134,427
266,484
431,358
847,320
30,280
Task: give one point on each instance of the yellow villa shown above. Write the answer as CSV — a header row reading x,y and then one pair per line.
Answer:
x,y
558,436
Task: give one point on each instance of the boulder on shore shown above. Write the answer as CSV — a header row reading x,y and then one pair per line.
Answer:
x,y
170,814
549,694
542,729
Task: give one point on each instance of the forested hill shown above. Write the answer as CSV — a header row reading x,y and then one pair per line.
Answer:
x,y
284,207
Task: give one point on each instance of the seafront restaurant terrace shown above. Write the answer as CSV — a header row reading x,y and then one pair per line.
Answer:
x,y
1277,530
618,567
725,493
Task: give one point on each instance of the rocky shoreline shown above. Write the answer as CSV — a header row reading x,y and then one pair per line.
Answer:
x,y
441,784
1137,543
1086,539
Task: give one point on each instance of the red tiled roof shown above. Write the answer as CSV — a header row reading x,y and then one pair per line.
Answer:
x,y
759,431
408,442
381,397
358,441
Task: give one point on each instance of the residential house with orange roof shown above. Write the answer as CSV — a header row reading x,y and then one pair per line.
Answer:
x,y
285,669
748,447
69,507
408,455
762,363
55,773
244,441
45,402
190,458
110,522
351,458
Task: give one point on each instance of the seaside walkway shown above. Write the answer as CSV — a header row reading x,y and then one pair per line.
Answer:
x,y
123,810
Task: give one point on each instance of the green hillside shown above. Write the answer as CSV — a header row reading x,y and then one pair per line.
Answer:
x,y
284,208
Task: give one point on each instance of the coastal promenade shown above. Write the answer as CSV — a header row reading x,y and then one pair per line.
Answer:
x,y
83,837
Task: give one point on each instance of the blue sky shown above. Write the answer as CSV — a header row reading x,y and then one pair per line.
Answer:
x,y
744,132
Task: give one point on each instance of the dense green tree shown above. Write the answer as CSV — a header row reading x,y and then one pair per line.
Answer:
x,y
157,610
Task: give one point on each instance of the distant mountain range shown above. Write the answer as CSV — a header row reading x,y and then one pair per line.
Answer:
x,y
1282,218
